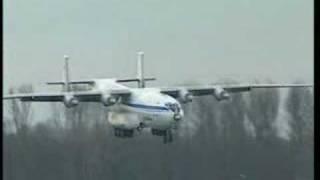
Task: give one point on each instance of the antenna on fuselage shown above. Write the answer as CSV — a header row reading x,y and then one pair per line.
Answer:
x,y
66,74
140,70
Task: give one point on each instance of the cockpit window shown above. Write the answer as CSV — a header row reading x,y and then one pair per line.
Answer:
x,y
173,107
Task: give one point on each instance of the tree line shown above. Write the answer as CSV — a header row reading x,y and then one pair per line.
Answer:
x,y
236,139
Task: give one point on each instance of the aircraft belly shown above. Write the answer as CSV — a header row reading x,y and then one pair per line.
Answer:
x,y
125,120
162,121
123,116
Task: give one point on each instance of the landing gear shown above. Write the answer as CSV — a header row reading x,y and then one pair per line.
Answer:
x,y
141,126
157,132
124,133
166,134
167,138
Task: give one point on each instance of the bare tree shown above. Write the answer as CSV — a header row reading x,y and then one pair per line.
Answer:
x,y
300,107
262,111
20,112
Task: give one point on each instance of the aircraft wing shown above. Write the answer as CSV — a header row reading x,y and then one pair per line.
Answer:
x,y
84,96
211,89
240,88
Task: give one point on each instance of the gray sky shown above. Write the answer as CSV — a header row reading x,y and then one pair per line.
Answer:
x,y
183,40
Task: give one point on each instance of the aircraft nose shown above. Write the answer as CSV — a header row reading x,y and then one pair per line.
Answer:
x,y
178,115
176,109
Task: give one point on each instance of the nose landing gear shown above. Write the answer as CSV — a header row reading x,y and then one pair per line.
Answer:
x,y
177,117
141,126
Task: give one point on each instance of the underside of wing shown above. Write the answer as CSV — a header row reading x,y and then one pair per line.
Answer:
x,y
195,91
248,87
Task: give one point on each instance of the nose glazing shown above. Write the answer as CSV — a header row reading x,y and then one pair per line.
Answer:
x,y
177,116
173,107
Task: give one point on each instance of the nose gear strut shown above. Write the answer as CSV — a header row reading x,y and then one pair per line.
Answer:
x,y
141,126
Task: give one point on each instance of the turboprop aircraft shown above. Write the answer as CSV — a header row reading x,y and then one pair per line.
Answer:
x,y
132,109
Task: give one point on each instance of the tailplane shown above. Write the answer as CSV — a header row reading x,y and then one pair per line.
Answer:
x,y
140,79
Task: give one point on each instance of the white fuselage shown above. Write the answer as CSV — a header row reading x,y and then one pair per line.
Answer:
x,y
145,106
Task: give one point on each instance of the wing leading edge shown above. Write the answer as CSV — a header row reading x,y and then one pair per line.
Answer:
x,y
85,96
209,90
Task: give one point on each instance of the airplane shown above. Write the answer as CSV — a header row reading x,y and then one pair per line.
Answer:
x,y
133,109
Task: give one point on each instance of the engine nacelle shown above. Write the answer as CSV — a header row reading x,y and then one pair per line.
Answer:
x,y
220,94
108,100
185,96
70,101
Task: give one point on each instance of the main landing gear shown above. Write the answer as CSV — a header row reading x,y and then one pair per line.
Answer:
x,y
166,134
123,133
167,138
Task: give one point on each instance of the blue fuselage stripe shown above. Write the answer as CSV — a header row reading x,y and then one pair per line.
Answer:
x,y
147,107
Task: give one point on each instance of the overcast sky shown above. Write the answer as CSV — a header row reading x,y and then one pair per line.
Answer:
x,y
182,40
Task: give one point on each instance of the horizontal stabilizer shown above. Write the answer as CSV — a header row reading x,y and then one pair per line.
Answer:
x,y
92,81
135,80
71,82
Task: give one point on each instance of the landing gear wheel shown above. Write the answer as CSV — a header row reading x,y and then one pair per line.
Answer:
x,y
167,137
123,132
116,132
128,133
140,127
170,137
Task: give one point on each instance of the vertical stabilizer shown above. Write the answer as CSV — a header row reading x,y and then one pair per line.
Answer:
x,y
66,74
140,70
